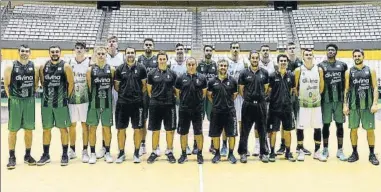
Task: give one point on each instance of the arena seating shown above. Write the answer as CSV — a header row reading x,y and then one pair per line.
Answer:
x,y
53,23
163,25
337,23
243,25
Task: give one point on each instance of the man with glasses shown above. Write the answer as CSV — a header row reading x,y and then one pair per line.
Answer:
x,y
79,102
57,81
20,84
191,90
149,61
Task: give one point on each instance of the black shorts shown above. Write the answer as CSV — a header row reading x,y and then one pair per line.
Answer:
x,y
254,113
159,113
145,106
186,117
223,121
275,118
124,112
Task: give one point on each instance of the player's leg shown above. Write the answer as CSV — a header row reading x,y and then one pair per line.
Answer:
x,y
183,130
215,131
47,125
63,122
137,124
14,124
197,130
92,121
144,129
12,136
261,110
272,129
107,122
29,126
317,124
170,127
247,123
302,122
122,116
327,110
231,132
354,123
339,118
207,111
256,138
154,124
367,121
74,117
85,141
287,122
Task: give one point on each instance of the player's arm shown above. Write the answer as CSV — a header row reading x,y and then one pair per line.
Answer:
x,y
41,72
241,83
346,90
375,91
7,78
36,77
149,83
210,93
70,78
235,94
210,97
297,76
88,78
144,78
321,86
117,79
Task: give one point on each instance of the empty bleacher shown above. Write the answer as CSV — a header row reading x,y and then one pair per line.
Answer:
x,y
243,25
53,23
163,25
337,23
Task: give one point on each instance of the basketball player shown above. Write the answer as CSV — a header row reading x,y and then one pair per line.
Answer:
x,y
253,85
114,58
130,82
236,65
191,90
309,83
360,103
332,100
149,61
100,83
79,102
222,91
162,107
208,67
57,81
281,83
20,84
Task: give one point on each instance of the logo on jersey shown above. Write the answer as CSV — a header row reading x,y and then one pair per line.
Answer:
x,y
52,77
24,78
102,80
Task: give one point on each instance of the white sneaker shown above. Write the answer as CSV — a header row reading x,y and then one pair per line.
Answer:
x,y
301,155
108,158
136,159
93,158
71,154
157,151
142,149
189,152
85,156
120,159
324,155
340,154
256,148
101,153
317,155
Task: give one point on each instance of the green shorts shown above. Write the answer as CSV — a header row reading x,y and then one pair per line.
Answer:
x,y
105,115
207,108
55,117
332,109
21,114
361,115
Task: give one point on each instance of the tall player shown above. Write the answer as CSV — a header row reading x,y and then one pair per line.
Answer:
x,y
130,82
100,83
20,84
309,83
149,61
79,102
208,67
57,81
360,103
332,100
160,87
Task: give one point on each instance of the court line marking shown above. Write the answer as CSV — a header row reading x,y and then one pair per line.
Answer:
x,y
201,178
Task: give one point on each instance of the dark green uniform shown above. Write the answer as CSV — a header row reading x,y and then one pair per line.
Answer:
x,y
333,95
210,71
100,106
360,98
21,104
54,110
292,65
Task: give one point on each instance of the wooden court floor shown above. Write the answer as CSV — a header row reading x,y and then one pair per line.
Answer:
x,y
310,175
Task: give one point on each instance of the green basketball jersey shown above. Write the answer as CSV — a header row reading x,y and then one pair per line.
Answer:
x,y
101,87
334,75
55,86
360,93
22,80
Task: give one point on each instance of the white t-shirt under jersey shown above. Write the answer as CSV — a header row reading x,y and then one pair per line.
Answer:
x,y
270,67
178,67
115,61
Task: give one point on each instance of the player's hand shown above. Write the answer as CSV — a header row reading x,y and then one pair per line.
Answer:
x,y
296,92
374,108
345,110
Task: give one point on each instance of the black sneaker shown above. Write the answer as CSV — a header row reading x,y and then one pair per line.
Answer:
x,y
183,158
171,158
264,158
29,160
281,150
306,152
353,158
212,149
243,158
232,159
195,149
152,158
216,158
11,163
272,157
45,158
373,159
289,157
64,160
200,159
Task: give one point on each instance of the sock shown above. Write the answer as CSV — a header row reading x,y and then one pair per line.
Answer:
x,y
72,147
121,152
354,148
371,149
92,149
211,144
217,152
107,149
143,142
85,147
225,143
299,146
184,152
195,144
339,145
64,148
27,152
46,149
272,150
200,152
230,151
317,146
136,152
287,149
282,144
103,143
325,135
12,153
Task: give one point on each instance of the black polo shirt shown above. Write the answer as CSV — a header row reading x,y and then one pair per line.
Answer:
x,y
191,87
130,86
280,96
292,65
254,84
148,63
222,93
208,69
163,83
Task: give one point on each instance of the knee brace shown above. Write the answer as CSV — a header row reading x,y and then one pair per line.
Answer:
x,y
339,130
317,134
300,134
325,131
